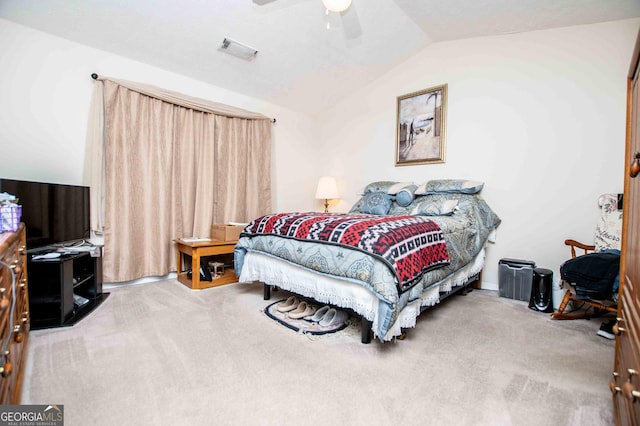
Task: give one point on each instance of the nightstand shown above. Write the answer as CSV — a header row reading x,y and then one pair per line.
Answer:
x,y
197,249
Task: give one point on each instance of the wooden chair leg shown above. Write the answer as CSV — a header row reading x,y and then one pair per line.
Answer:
x,y
598,309
563,306
560,315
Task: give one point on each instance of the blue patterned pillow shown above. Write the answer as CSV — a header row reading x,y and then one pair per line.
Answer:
x,y
406,195
376,203
451,186
389,187
429,207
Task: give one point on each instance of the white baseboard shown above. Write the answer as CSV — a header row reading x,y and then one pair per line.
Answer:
x,y
144,280
484,285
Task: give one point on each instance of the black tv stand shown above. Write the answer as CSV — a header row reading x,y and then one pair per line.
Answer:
x,y
53,283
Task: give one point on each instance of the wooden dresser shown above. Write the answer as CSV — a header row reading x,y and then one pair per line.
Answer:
x,y
14,313
625,384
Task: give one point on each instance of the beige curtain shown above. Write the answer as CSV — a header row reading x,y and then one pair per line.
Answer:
x,y
242,162
170,171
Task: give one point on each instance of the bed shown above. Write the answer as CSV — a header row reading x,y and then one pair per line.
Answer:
x,y
401,249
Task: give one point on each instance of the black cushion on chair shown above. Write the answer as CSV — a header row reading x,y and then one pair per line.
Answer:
x,y
593,274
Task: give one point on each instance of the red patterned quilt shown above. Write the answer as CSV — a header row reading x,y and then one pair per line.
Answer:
x,y
409,245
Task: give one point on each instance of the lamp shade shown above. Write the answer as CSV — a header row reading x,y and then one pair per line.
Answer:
x,y
327,188
337,5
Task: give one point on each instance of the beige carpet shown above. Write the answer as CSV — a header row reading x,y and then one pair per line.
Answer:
x,y
161,354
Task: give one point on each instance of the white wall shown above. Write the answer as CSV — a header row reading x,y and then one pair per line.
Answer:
x,y
45,91
538,116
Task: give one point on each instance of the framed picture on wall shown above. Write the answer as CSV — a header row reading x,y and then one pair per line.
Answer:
x,y
421,127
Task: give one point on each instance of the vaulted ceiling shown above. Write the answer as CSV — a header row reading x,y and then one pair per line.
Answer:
x,y
301,64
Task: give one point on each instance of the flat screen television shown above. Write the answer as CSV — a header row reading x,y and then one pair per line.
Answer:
x,y
52,213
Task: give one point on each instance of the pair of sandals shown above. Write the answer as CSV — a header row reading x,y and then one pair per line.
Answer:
x,y
326,316
296,308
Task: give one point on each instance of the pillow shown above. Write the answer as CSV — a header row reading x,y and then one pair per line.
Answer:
x,y
450,186
356,208
397,187
429,208
385,186
405,196
376,203
609,229
421,189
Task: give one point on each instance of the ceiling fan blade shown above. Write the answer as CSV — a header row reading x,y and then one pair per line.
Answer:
x,y
351,22
263,2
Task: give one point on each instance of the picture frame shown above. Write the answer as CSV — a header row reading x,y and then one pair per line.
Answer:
x,y
421,127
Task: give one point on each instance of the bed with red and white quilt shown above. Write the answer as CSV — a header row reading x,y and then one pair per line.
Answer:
x,y
400,249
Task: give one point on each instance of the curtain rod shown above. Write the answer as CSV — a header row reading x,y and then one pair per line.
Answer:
x,y
95,77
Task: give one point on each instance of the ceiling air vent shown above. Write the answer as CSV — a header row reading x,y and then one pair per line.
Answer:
x,y
238,49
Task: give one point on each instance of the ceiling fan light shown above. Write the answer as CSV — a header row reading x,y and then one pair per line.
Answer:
x,y
337,5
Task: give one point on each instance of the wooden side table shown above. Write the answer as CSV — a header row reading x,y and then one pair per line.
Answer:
x,y
197,250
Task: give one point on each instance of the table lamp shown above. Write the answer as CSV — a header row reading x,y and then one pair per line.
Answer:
x,y
327,190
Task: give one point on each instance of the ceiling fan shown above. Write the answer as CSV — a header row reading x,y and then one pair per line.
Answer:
x,y
338,13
